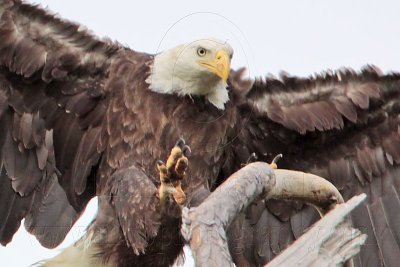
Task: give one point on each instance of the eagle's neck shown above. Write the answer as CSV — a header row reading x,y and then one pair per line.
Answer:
x,y
167,78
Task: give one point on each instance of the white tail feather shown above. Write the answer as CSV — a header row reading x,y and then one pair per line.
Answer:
x,y
81,254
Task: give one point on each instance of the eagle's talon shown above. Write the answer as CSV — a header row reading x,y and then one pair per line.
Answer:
x,y
162,169
274,164
179,195
175,154
252,158
181,166
181,143
173,172
186,150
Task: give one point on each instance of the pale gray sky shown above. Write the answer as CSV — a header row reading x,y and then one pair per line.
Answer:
x,y
300,37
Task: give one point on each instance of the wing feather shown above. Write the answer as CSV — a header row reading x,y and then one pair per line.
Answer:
x,y
341,125
388,247
51,216
85,159
52,106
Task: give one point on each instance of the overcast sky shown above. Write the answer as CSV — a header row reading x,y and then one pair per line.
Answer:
x,y
300,37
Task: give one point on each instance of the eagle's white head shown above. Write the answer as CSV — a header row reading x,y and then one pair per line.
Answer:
x,y
198,68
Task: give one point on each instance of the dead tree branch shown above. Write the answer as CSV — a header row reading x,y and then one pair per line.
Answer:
x,y
327,243
204,227
305,187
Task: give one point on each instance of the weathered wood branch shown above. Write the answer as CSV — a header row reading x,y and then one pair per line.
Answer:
x,y
329,242
204,227
305,187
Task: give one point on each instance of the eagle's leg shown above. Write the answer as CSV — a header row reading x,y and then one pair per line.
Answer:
x,y
173,172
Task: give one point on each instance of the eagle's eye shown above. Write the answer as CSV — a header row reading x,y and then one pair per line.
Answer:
x,y
201,52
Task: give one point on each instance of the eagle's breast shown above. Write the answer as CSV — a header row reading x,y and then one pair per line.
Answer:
x,y
142,125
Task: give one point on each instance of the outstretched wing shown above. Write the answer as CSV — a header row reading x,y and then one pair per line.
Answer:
x,y
52,103
343,126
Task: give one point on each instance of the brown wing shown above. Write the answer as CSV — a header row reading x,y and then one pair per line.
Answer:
x,y
52,102
343,126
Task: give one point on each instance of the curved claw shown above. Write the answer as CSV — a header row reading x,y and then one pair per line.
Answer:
x,y
253,157
274,164
186,150
181,143
277,158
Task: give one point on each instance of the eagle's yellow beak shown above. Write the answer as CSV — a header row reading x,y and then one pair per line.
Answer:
x,y
220,65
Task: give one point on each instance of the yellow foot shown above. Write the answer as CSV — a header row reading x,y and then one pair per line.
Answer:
x,y
173,172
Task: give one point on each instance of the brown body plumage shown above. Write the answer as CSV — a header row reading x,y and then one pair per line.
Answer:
x,y
151,127
78,120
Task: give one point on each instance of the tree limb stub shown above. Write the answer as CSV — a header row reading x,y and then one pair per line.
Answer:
x,y
305,187
329,242
204,227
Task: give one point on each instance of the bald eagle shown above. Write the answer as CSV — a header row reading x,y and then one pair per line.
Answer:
x,y
83,117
